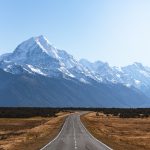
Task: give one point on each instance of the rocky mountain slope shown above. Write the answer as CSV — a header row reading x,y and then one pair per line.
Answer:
x,y
38,74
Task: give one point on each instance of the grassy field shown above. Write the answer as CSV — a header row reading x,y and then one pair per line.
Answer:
x,y
29,133
119,133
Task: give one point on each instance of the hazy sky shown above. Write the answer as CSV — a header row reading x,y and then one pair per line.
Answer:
x,y
116,31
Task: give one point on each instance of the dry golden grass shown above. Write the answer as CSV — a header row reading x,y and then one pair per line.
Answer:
x,y
119,133
31,133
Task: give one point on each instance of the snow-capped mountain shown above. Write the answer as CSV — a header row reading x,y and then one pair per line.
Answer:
x,y
135,75
37,55
38,74
34,90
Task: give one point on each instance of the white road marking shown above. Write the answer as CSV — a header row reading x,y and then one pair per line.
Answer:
x,y
94,137
74,135
56,136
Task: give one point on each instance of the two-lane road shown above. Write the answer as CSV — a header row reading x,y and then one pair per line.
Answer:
x,y
74,136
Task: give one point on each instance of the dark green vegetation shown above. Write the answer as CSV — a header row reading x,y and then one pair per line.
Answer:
x,y
24,112
125,113
6,112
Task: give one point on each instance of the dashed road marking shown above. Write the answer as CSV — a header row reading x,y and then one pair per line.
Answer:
x,y
74,135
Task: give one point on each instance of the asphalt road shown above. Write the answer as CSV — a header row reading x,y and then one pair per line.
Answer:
x,y
74,136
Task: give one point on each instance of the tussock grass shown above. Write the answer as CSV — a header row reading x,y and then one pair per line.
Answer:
x,y
29,133
119,133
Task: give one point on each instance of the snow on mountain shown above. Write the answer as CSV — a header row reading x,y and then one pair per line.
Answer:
x,y
36,55
135,75
4,55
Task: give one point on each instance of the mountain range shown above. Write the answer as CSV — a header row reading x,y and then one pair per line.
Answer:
x,y
38,74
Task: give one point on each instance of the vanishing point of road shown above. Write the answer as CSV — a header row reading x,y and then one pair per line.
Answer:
x,y
74,136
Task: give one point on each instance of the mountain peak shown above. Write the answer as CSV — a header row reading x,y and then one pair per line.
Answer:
x,y
42,39
138,65
36,44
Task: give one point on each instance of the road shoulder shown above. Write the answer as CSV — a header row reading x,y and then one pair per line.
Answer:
x,y
36,137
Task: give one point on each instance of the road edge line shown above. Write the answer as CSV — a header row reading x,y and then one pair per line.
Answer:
x,y
56,136
94,137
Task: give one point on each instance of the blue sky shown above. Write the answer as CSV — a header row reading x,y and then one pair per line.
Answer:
x,y
114,31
